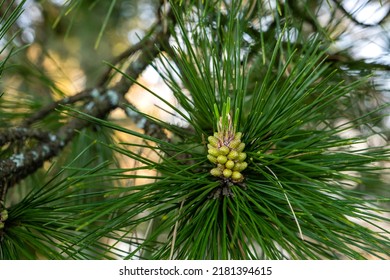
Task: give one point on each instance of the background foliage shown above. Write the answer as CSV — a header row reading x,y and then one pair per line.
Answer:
x,y
108,105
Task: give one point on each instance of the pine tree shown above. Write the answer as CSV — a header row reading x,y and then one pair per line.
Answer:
x,y
266,138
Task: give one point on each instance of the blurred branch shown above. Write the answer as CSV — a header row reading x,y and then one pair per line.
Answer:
x,y
350,16
353,63
98,102
42,113
20,134
149,127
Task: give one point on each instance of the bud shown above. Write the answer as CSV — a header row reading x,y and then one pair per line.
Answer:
x,y
233,155
3,215
213,141
234,143
240,147
229,164
3,218
227,173
216,172
214,152
237,176
212,159
224,150
241,156
242,166
221,159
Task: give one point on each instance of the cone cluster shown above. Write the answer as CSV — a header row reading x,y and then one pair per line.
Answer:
x,y
227,153
3,218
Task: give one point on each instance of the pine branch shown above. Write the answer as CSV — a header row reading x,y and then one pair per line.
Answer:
x,y
42,113
97,102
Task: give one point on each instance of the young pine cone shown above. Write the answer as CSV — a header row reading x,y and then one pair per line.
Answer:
x,y
227,153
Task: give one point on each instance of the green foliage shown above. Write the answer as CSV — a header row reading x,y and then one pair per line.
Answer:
x,y
298,199
8,18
